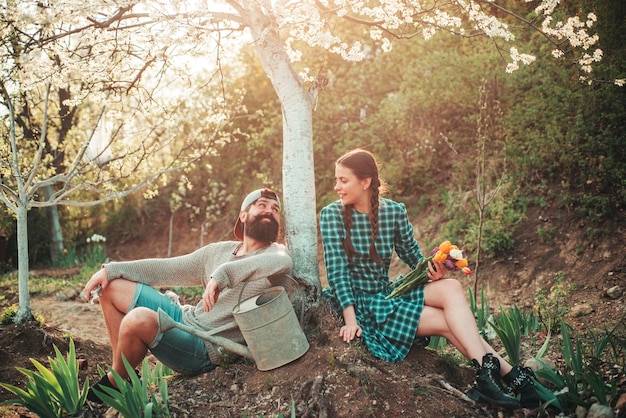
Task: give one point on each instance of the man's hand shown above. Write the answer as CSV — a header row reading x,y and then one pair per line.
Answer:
x,y
100,279
211,294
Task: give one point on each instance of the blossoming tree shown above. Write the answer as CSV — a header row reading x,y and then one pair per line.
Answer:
x,y
276,27
107,49
89,115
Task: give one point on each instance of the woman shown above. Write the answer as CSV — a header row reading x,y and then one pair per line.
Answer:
x,y
360,232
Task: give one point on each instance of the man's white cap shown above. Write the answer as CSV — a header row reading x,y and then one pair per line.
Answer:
x,y
250,199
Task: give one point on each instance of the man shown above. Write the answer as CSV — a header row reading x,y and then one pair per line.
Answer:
x,y
130,301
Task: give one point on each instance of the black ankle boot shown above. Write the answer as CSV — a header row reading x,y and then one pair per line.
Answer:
x,y
522,381
488,387
103,382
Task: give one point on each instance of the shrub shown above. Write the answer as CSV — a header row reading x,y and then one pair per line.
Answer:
x,y
53,392
145,397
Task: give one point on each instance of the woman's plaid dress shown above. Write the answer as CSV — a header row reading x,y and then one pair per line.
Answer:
x,y
388,325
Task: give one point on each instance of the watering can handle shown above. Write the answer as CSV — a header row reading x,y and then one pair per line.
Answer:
x,y
272,280
282,282
166,323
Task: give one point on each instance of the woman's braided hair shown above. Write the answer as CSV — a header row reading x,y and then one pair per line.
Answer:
x,y
364,165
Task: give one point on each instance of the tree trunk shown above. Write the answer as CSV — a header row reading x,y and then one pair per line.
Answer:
x,y
298,169
24,313
56,234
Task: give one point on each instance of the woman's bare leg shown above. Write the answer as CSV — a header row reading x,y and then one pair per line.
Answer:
x,y
453,319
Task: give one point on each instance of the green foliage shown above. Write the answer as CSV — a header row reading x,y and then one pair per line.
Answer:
x,y
145,397
552,307
8,316
546,236
53,392
67,258
581,372
510,326
509,334
613,339
501,217
94,254
593,235
193,293
482,313
568,133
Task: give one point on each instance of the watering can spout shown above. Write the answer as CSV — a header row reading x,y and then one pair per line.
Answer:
x,y
166,323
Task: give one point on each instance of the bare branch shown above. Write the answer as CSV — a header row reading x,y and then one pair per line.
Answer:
x,y
42,140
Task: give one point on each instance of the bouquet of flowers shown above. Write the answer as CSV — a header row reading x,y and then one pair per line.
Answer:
x,y
448,254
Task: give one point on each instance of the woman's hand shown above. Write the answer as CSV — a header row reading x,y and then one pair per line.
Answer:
x,y
436,271
211,294
351,329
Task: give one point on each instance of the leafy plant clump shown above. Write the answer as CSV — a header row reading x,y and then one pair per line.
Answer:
x,y
54,392
139,397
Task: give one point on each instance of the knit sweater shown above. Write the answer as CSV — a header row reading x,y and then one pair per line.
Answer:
x,y
215,260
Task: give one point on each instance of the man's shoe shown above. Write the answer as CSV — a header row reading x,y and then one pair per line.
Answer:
x,y
102,383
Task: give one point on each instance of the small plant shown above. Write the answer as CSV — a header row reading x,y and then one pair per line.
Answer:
x,y
55,392
331,358
579,375
509,332
482,314
438,344
8,316
95,253
510,326
551,308
66,258
420,391
546,235
145,397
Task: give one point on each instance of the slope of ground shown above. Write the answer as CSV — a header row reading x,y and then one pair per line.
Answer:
x,y
338,380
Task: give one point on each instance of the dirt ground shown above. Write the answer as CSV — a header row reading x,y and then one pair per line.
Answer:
x,y
334,379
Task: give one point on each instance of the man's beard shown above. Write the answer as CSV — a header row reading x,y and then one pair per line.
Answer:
x,y
262,231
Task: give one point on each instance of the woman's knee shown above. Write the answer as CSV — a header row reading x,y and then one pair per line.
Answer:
x,y
454,286
446,287
443,292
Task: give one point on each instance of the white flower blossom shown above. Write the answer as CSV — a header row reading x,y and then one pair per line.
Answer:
x,y
96,238
456,254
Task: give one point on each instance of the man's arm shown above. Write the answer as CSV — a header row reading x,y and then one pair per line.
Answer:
x,y
260,264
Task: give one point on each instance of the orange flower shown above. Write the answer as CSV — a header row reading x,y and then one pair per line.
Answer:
x,y
461,263
445,247
419,275
440,257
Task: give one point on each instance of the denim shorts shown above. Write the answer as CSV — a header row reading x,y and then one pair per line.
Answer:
x,y
177,349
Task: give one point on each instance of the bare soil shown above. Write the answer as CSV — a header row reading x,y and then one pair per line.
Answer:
x,y
334,379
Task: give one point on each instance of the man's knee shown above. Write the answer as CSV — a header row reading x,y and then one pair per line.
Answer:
x,y
141,322
119,292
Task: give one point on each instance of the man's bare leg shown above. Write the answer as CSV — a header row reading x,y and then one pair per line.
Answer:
x,y
115,300
137,330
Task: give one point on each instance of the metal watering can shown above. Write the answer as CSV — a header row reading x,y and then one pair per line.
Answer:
x,y
269,326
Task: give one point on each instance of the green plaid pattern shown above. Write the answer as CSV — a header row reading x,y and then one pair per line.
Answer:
x,y
388,325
